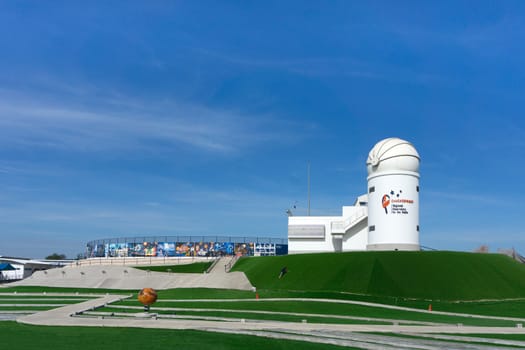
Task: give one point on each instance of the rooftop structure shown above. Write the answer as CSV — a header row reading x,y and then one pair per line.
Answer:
x,y
385,218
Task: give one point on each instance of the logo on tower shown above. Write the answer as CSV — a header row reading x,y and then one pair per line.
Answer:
x,y
386,202
396,202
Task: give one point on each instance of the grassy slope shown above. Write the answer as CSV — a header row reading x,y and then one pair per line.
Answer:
x,y
319,308
428,275
17,336
198,267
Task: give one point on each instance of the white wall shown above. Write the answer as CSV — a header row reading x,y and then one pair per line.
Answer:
x,y
311,245
393,226
357,237
354,239
17,274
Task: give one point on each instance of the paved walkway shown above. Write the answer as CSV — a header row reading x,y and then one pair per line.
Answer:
x,y
365,320
339,334
354,302
124,277
433,336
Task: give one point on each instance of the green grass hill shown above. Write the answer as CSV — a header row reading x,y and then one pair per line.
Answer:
x,y
427,275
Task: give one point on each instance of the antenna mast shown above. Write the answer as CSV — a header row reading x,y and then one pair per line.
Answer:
x,y
308,188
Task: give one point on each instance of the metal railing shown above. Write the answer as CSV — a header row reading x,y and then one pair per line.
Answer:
x,y
345,225
232,262
142,261
192,238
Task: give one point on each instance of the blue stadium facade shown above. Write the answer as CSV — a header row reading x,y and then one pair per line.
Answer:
x,y
180,246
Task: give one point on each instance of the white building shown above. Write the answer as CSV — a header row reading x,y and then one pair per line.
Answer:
x,y
20,268
386,218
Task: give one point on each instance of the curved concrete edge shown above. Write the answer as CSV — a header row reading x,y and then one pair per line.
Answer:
x,y
64,316
122,277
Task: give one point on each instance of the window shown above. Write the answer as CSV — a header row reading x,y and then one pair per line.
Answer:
x,y
371,228
417,228
417,188
372,189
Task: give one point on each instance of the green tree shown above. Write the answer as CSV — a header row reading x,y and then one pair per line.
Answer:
x,y
56,256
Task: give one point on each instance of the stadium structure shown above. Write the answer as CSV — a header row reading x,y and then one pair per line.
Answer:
x,y
385,218
185,246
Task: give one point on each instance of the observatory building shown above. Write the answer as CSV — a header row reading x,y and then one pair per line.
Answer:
x,y
386,218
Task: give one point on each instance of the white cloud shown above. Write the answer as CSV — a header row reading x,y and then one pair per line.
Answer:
x,y
124,123
347,66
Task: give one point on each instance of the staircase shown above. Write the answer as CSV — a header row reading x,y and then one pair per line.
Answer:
x,y
340,228
232,262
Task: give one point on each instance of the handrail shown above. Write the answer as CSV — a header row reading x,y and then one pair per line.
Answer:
x,y
140,260
212,265
232,262
343,226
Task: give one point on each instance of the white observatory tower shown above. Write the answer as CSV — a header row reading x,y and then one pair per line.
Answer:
x,y
393,196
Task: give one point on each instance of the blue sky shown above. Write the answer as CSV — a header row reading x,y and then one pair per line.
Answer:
x,y
145,118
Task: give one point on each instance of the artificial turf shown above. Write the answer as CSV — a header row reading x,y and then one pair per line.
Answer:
x,y
450,281
198,267
17,336
327,308
424,275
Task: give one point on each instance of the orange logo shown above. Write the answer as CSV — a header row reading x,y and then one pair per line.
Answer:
x,y
386,202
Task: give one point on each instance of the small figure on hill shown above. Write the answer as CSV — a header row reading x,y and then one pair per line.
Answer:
x,y
283,272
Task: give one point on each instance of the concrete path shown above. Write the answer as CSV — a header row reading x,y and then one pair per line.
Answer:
x,y
128,278
338,334
280,313
219,267
122,277
62,316
354,302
